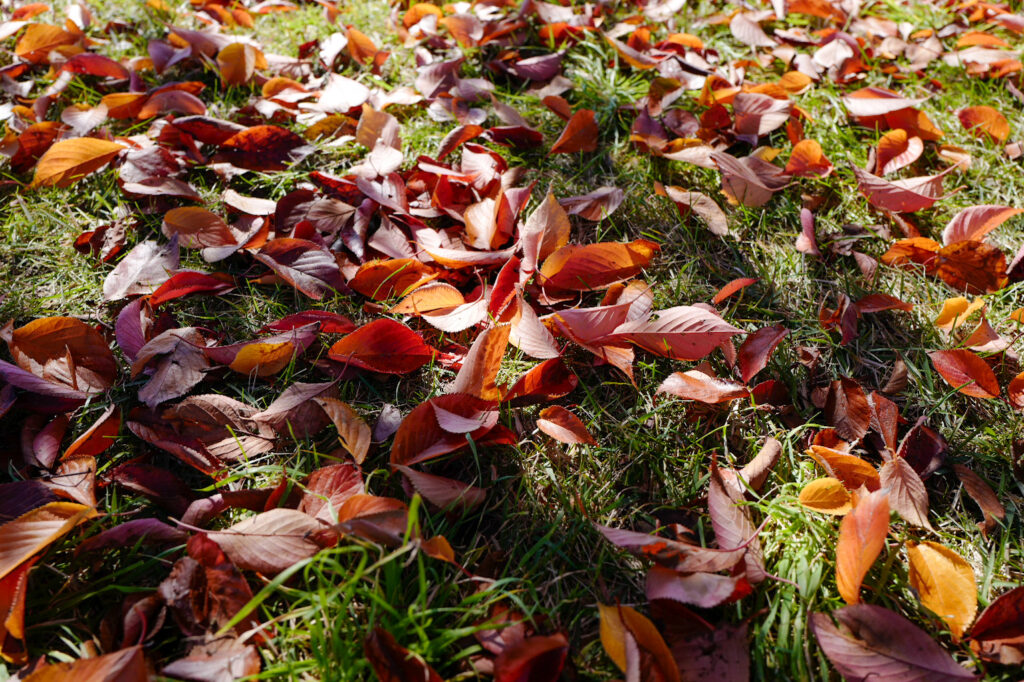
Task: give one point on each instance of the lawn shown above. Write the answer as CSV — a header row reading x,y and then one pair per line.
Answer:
x,y
263,411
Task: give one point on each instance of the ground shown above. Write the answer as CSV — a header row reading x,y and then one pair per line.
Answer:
x,y
651,464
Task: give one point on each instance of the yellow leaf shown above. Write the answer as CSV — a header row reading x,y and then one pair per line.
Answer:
x,y
826,495
70,160
33,531
955,312
613,635
263,359
945,582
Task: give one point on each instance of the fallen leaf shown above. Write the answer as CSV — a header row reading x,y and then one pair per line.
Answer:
x,y
564,426
966,372
861,539
984,121
874,643
826,495
907,494
33,531
580,135
945,584
68,161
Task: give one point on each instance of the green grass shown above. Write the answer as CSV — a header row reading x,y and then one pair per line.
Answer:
x,y
534,537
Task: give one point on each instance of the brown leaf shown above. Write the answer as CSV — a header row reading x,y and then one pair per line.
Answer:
x,y
945,583
689,201
270,542
330,487
308,267
126,665
861,539
907,494
966,372
353,432
731,520
65,351
847,409
394,663
696,385
442,492
633,643
142,270
982,494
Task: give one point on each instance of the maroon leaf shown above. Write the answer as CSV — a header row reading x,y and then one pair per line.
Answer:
x,y
874,643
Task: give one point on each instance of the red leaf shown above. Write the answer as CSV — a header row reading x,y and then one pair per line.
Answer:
x,y
189,283
394,663
998,634
263,148
681,333
757,348
966,372
974,222
385,346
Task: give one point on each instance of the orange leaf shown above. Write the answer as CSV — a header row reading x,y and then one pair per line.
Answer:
x,y
853,471
807,159
861,539
70,160
126,665
897,149
263,359
577,267
33,531
984,121
633,643
580,134
384,279
563,426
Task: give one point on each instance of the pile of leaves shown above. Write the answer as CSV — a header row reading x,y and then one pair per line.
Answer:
x,y
461,260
